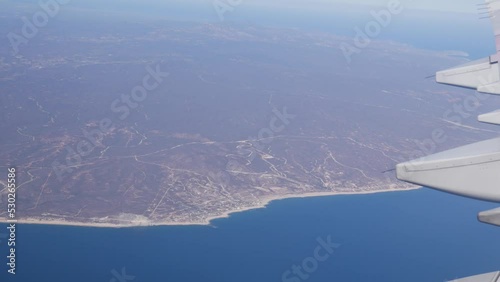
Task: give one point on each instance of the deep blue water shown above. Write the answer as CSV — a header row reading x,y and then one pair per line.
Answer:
x,y
402,236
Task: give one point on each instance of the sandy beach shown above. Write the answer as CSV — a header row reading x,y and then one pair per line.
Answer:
x,y
207,221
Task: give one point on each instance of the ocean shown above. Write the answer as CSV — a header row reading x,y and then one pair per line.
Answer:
x,y
419,235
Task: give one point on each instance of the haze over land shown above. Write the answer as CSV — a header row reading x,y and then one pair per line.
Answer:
x,y
232,116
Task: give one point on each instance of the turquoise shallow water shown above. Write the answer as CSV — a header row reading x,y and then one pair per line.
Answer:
x,y
402,236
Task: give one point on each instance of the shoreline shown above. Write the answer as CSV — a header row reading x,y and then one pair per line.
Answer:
x,y
208,221
268,201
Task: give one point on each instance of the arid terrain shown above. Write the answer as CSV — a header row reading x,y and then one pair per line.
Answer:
x,y
152,123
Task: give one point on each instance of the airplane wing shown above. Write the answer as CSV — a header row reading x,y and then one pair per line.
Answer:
x,y
489,277
473,170
482,75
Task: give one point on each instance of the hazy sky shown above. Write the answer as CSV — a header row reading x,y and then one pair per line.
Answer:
x,y
469,6
441,5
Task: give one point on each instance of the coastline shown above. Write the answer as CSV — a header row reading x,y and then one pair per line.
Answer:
x,y
269,200
207,221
